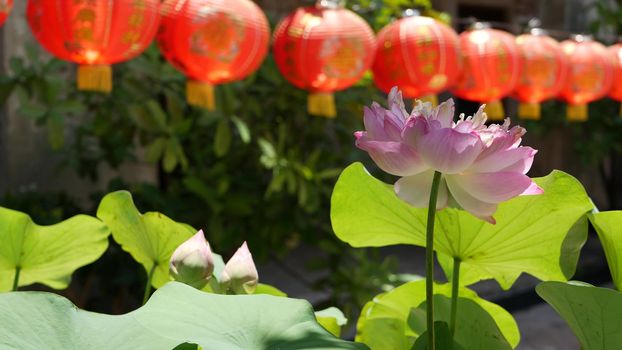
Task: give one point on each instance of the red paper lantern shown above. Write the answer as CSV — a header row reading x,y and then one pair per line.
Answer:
x,y
213,42
5,9
491,67
616,89
544,72
418,54
323,49
590,76
94,33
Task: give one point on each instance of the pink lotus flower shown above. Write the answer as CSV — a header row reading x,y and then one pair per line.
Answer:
x,y
192,262
240,274
482,166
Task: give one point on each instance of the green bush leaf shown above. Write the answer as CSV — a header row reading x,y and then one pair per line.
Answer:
x,y
608,225
592,313
171,154
32,111
151,238
56,130
529,236
383,323
175,314
332,319
243,130
47,254
222,139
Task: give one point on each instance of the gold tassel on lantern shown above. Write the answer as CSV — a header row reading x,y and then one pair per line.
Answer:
x,y
576,113
432,99
529,111
494,110
322,105
95,78
200,94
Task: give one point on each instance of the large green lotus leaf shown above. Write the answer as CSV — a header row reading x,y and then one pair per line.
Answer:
x,y
592,313
531,234
35,320
475,330
383,323
174,315
443,337
609,228
47,254
151,238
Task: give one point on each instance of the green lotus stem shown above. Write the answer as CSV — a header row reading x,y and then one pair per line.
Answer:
x,y
429,260
148,286
18,269
455,284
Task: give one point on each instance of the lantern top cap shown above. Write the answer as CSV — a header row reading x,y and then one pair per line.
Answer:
x,y
580,38
480,25
330,4
410,13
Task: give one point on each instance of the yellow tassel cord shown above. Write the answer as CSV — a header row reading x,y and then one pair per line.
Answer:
x,y
529,111
494,110
95,78
322,105
621,109
432,99
577,113
200,94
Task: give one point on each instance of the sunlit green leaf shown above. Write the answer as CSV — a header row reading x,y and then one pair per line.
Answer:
x,y
383,323
530,234
269,290
592,313
608,225
150,238
475,328
442,337
332,319
47,254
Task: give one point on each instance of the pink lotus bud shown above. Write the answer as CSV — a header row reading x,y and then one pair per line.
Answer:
x,y
482,166
240,274
192,262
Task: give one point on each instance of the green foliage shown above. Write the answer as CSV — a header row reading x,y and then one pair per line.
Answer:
x,y
332,319
592,313
387,321
444,340
151,238
531,234
259,168
476,328
379,13
608,225
264,289
176,314
47,254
